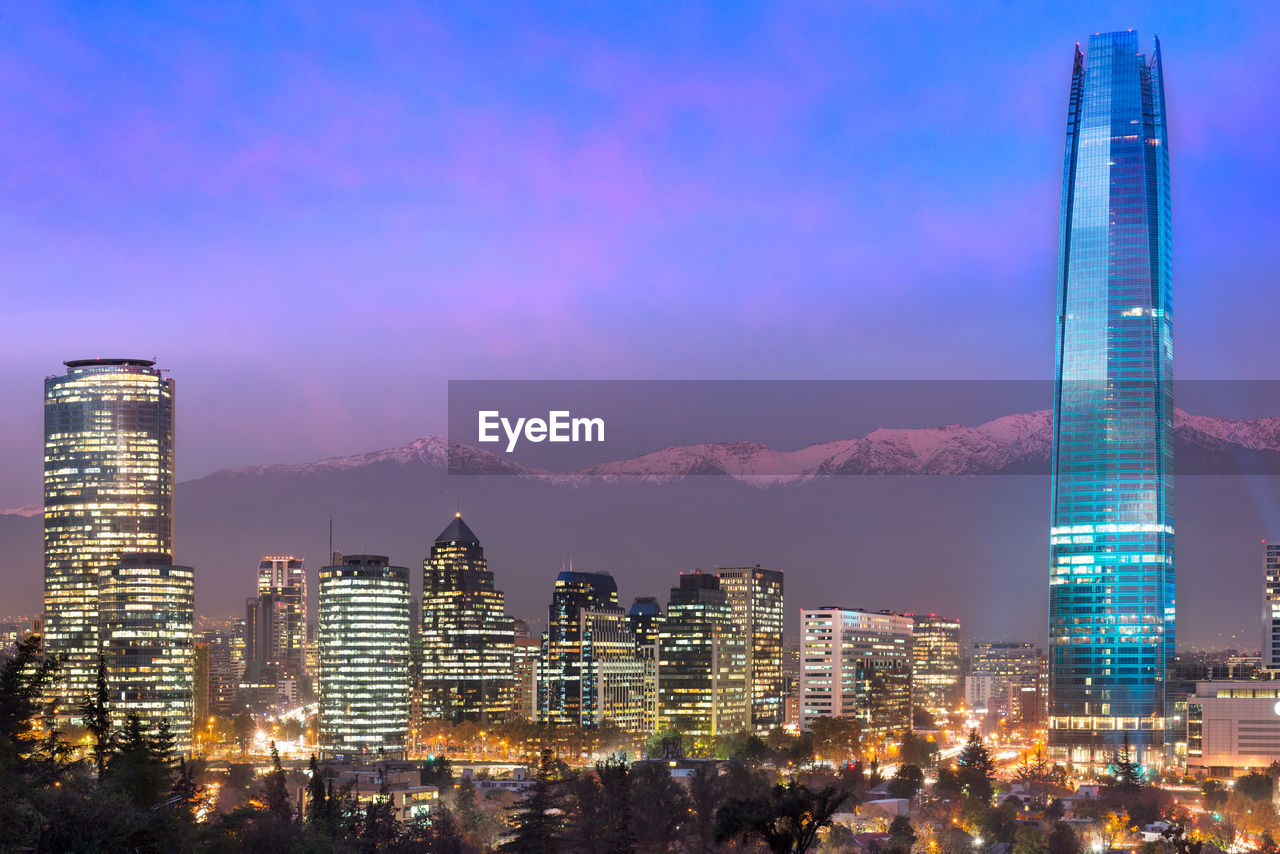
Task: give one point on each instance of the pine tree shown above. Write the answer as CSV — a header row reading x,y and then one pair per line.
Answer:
x,y
276,791
94,712
1127,772
464,806
975,770
317,803
537,827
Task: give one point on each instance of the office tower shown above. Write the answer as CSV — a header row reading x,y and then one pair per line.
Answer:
x,y
146,615
1008,680
226,668
467,637
611,671
364,658
702,662
1111,594
200,687
108,491
527,653
935,662
857,664
755,598
645,619
282,591
560,683
1270,605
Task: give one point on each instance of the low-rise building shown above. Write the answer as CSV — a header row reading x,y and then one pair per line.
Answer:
x,y
1233,727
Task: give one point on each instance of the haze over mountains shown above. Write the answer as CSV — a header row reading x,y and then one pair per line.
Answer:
x,y
918,537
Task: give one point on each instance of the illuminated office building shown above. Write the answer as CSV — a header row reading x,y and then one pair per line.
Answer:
x,y
364,657
1111,594
935,662
275,635
467,637
1007,680
1270,606
612,671
857,665
560,682
108,491
703,687
645,620
755,598
146,615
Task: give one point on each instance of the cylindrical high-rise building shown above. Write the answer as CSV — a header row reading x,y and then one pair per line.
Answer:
x,y
364,657
146,615
1111,593
108,491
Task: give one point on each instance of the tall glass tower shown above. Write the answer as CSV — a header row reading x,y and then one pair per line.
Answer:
x,y
1111,594
108,491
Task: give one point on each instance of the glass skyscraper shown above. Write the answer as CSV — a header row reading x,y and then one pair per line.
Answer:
x,y
364,658
108,491
1111,600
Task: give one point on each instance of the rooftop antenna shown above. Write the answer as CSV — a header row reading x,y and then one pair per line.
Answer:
x,y
330,536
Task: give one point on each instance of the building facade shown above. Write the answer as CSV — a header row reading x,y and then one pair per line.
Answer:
x,y
756,600
560,680
1111,595
467,637
108,491
1007,683
702,677
612,671
146,614
364,658
1270,605
1233,728
857,665
935,662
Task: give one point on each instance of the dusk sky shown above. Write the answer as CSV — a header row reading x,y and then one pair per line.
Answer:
x,y
317,217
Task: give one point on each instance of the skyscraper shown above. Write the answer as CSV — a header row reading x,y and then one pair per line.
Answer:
x,y
935,662
467,637
857,665
364,657
1111,595
275,632
755,598
560,683
702,662
1270,605
146,614
108,491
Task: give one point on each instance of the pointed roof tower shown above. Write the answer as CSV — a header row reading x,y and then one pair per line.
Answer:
x,y
457,532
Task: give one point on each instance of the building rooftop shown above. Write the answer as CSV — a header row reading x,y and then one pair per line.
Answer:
x,y
457,532
86,363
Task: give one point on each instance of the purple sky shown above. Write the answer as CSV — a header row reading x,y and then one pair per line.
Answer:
x,y
316,218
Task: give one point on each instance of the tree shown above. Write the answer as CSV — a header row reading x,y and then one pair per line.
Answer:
x,y
1030,840
1062,839
94,712
188,793
916,750
657,805
275,792
835,739
1124,769
787,821
975,770
901,836
138,766
906,782
1255,786
242,730
537,818
464,806
318,814
706,791
436,771
615,785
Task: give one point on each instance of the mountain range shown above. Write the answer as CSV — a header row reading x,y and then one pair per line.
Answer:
x,y
975,547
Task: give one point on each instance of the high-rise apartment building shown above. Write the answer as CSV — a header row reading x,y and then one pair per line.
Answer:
x,y
703,685
364,658
755,598
467,637
857,664
1111,595
1270,605
935,662
146,617
560,682
108,491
